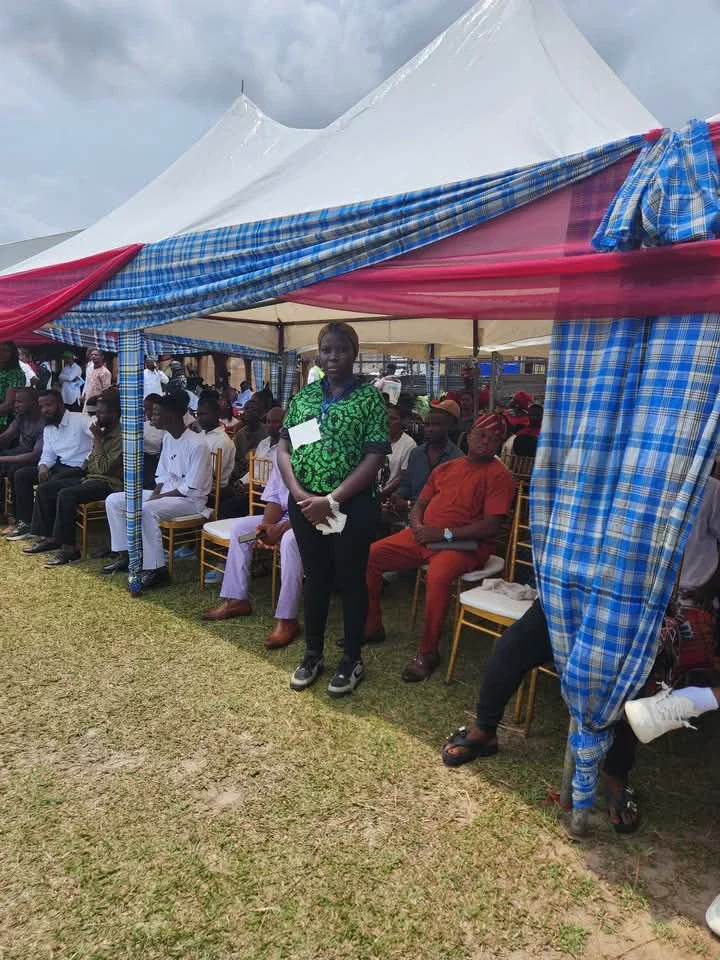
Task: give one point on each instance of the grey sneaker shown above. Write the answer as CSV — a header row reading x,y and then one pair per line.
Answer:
x,y
308,672
347,676
651,717
20,532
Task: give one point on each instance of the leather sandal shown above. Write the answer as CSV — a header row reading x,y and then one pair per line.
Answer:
x,y
420,667
472,749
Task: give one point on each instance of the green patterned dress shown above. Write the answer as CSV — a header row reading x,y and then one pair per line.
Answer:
x,y
350,427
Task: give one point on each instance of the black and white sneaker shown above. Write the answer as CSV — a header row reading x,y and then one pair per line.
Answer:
x,y
347,676
20,532
308,672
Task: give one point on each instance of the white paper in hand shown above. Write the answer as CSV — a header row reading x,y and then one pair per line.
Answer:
x,y
304,433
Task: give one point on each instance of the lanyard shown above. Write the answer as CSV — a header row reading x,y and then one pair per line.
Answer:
x,y
329,400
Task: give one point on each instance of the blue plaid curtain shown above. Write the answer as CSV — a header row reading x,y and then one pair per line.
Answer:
x,y
131,361
631,427
289,371
435,385
258,374
275,376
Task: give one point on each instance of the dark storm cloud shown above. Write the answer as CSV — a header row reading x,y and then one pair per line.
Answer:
x,y
98,96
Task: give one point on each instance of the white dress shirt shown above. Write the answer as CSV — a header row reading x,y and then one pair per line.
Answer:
x,y
265,450
152,439
185,466
69,443
154,382
701,551
71,384
28,371
217,439
401,450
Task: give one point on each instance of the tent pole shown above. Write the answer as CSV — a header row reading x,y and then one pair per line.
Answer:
x,y
476,372
131,347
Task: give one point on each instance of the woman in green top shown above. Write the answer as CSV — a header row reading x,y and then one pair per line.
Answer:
x,y
334,441
11,379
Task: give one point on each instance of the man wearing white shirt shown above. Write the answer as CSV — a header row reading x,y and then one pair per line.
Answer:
x,y
155,380
184,481
67,443
214,435
71,381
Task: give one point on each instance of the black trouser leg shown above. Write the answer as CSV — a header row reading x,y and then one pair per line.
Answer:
x,y
523,646
67,503
621,755
351,549
24,480
43,516
317,557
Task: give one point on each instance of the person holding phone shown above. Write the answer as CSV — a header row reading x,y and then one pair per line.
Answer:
x,y
333,443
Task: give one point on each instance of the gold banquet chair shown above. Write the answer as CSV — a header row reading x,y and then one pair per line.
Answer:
x,y
185,531
215,536
484,610
88,513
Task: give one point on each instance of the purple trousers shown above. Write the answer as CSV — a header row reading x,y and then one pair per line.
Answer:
x,y
235,585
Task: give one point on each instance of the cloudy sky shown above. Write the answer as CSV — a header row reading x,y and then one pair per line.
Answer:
x,y
98,96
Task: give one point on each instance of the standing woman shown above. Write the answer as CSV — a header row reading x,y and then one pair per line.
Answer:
x,y
12,377
333,443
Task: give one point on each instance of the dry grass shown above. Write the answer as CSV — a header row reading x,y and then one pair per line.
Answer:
x,y
165,795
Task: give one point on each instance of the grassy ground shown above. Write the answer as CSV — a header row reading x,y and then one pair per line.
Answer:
x,y
165,795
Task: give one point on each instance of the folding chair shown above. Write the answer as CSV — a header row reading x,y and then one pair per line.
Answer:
x,y
184,531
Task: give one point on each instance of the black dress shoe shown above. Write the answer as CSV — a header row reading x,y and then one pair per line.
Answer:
x,y
155,578
119,565
42,546
61,558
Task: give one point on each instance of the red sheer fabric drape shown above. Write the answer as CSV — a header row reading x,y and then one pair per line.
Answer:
x,y
535,263
35,297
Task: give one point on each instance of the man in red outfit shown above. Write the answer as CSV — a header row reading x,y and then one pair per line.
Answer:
x,y
464,500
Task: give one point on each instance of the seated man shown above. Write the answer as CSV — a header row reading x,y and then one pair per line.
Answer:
x,y
464,500
67,443
271,528
247,439
152,442
437,448
214,435
524,646
103,475
21,442
184,480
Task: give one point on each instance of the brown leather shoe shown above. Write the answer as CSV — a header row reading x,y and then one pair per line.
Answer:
x,y
283,634
420,667
227,610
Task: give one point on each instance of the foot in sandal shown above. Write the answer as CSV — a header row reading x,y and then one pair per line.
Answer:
x,y
467,744
623,809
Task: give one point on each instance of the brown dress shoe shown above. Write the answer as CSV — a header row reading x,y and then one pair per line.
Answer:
x,y
420,667
227,610
283,633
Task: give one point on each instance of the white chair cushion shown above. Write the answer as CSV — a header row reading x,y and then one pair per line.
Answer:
x,y
490,601
188,516
492,568
220,529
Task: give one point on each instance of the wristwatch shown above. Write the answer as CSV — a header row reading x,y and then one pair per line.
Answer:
x,y
448,535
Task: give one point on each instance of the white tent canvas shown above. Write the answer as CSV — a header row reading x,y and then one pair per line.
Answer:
x,y
511,83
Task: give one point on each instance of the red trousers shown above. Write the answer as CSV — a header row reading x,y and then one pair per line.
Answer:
x,y
402,552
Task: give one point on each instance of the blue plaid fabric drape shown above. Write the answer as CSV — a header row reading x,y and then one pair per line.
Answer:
x,y
289,376
238,266
131,361
632,423
258,374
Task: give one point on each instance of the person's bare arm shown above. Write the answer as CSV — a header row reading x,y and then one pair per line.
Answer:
x,y
32,456
7,436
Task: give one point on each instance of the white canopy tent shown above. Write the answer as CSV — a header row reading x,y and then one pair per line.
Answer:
x,y
454,111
